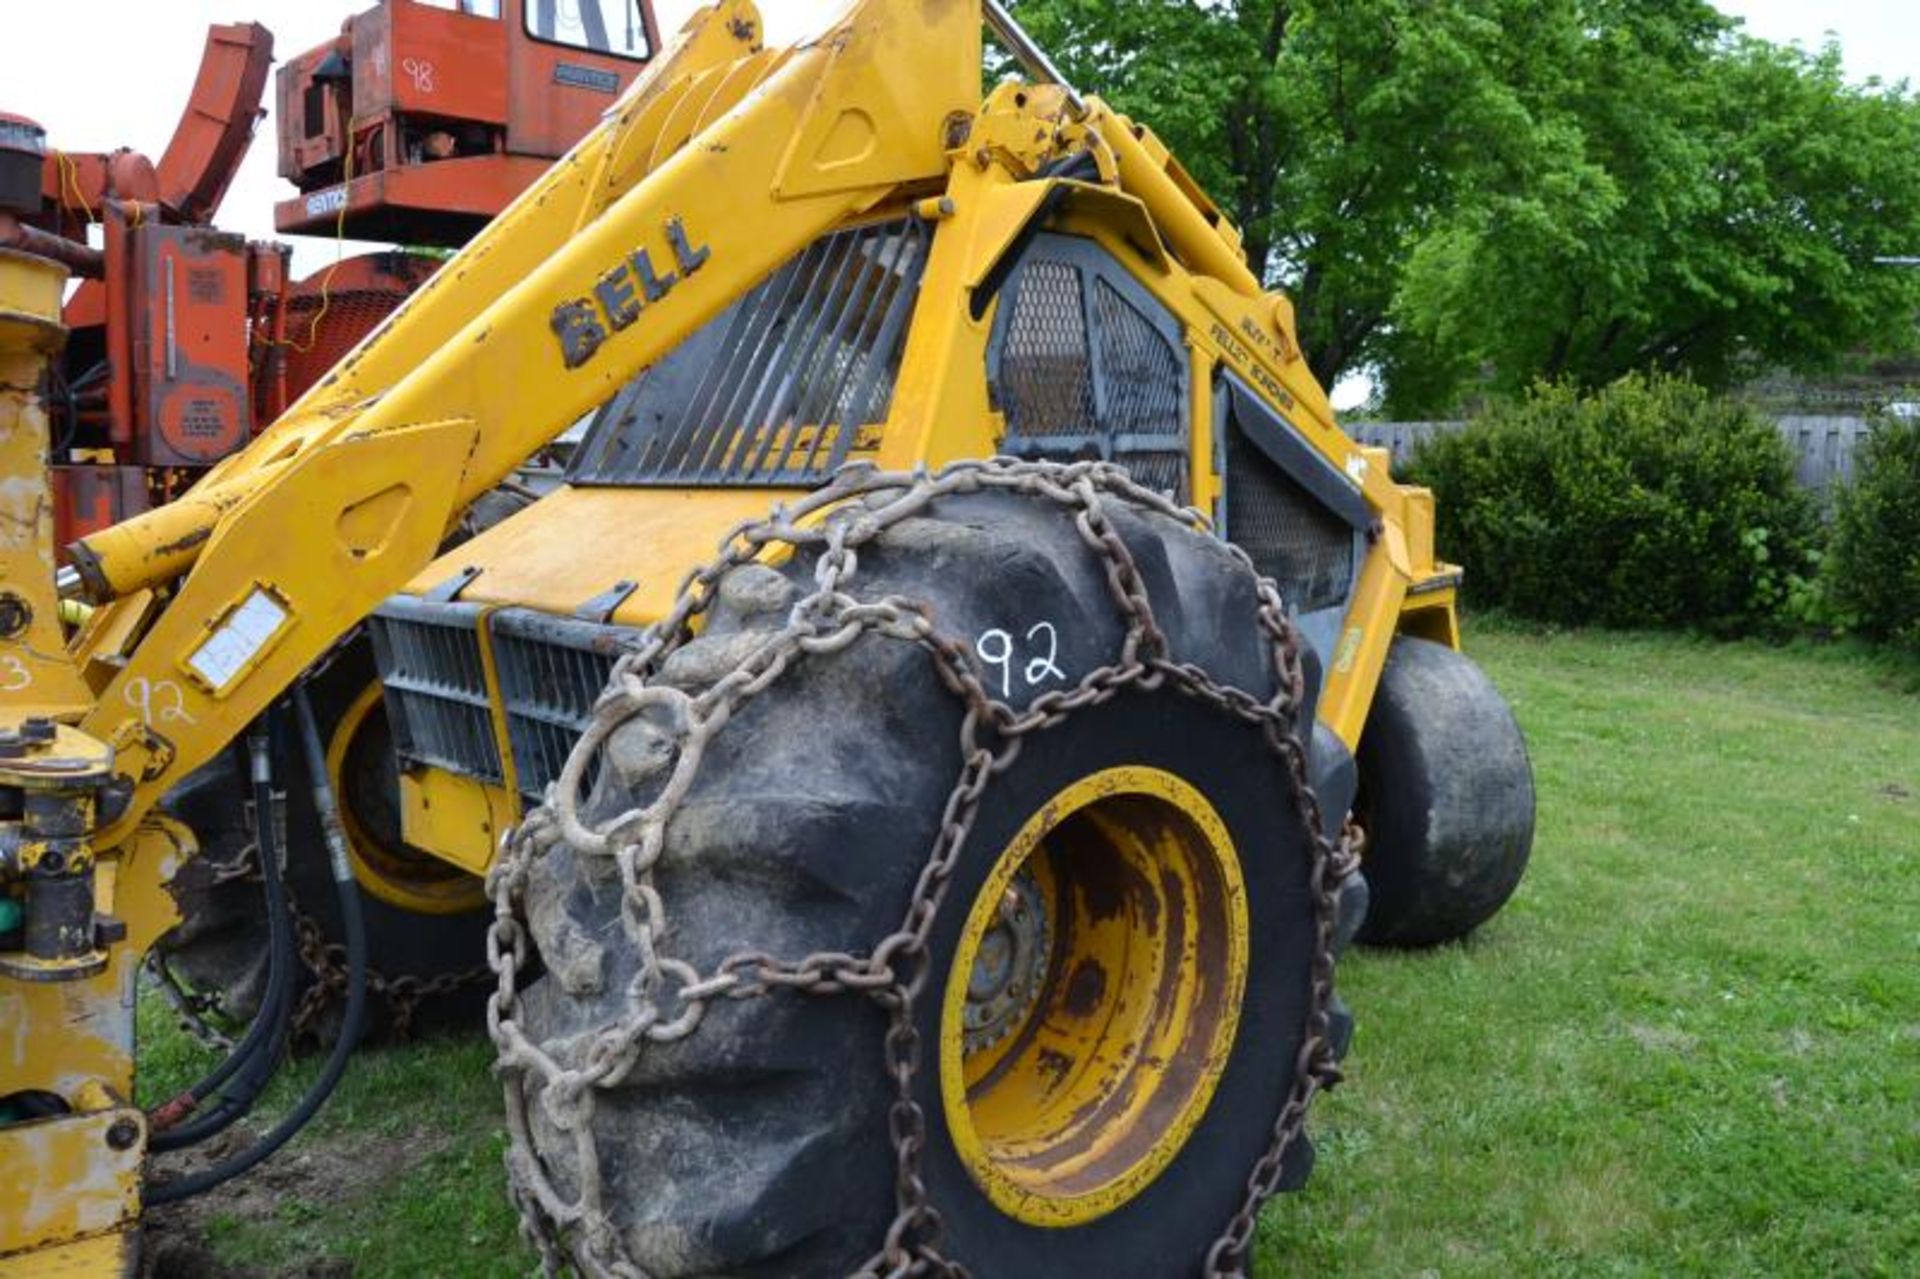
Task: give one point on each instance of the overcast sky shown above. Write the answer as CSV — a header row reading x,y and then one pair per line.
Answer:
x,y
106,73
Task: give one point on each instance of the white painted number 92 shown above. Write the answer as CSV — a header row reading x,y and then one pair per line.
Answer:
x,y
996,648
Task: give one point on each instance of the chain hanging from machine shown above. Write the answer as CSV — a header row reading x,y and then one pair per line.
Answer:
x,y
200,1012
326,962
669,997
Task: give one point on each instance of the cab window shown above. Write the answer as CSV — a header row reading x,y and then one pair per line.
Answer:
x,y
597,26
472,8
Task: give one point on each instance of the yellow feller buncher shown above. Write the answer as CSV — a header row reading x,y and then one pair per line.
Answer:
x,y
919,757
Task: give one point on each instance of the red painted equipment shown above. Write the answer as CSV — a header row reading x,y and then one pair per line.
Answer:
x,y
156,383
329,312
417,124
420,122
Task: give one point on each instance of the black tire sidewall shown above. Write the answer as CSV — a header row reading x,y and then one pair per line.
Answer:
x,y
1165,1230
1418,783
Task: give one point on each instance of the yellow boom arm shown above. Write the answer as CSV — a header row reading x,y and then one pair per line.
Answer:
x,y
650,227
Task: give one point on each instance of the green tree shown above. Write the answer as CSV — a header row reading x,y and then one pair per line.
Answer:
x,y
1497,190
1724,208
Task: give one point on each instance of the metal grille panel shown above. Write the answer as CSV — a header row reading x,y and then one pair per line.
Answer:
x,y
1292,538
552,670
1088,365
436,686
1046,364
1164,473
1144,388
1138,370
777,389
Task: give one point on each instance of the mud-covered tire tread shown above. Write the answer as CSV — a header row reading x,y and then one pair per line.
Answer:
x,y
849,760
219,945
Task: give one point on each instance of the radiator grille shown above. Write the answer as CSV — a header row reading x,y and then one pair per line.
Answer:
x,y
436,686
552,670
777,389
1305,548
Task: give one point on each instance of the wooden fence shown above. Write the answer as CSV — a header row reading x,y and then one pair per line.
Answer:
x,y
1824,446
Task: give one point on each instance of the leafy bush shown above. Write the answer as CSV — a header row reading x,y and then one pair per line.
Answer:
x,y
1873,571
1648,503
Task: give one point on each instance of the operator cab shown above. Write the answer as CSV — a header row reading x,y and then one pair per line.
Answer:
x,y
405,128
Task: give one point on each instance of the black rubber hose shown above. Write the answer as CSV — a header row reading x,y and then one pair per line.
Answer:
x,y
349,1037
254,1061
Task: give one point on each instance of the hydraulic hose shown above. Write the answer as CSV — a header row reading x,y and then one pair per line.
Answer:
x,y
349,1037
252,1062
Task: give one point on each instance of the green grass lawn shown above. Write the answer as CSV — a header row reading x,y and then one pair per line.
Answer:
x,y
1690,1046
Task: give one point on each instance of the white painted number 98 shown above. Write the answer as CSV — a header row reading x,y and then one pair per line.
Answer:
x,y
996,649
421,72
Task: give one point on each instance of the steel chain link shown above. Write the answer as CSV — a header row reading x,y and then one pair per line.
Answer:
x,y
326,963
668,998
195,1009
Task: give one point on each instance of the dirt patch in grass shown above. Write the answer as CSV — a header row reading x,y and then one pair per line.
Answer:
x,y
1663,1038
337,1167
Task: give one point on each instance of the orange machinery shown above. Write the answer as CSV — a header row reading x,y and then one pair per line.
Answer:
x,y
417,124
420,122
157,379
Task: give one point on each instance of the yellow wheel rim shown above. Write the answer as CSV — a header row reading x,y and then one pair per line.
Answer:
x,y
1093,999
382,862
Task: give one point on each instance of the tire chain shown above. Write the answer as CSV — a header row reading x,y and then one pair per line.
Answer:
x,y
325,962
668,997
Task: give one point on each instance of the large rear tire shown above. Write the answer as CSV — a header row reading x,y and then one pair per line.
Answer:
x,y
1446,798
1119,977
